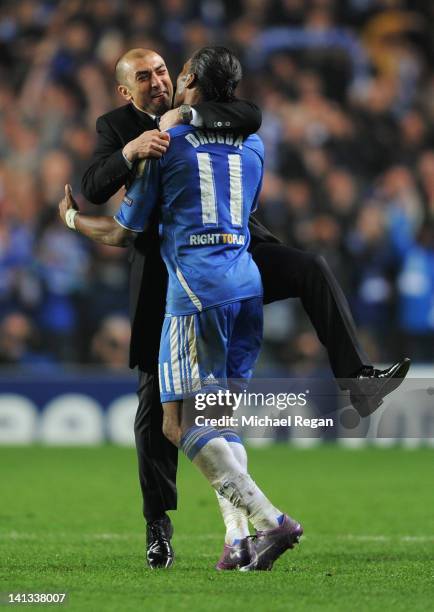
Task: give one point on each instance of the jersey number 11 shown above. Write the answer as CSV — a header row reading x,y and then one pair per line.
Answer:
x,y
208,192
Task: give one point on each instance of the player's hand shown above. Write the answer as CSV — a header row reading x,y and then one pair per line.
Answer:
x,y
170,119
66,203
152,143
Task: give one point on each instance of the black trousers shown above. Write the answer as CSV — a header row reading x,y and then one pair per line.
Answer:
x,y
286,273
290,273
157,457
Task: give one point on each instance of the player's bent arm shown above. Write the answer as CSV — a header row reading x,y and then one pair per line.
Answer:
x,y
100,229
104,229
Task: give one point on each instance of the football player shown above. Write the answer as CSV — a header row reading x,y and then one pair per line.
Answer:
x,y
206,186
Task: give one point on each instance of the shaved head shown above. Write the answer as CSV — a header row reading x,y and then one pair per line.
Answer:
x,y
125,63
144,81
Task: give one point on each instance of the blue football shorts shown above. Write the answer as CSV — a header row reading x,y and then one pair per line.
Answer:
x,y
202,351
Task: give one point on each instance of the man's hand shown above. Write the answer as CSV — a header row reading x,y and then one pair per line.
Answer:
x,y
152,143
170,119
67,203
101,229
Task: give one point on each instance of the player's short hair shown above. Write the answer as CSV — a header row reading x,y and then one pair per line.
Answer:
x,y
218,73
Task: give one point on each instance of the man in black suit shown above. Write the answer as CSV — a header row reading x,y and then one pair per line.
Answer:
x,y
128,134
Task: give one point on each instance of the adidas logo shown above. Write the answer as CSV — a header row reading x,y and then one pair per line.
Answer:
x,y
209,380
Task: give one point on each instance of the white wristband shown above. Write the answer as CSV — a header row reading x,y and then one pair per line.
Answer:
x,y
70,218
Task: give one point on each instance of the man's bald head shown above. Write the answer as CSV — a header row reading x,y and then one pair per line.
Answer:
x,y
124,64
143,79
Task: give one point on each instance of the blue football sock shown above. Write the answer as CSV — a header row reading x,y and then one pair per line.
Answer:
x,y
195,439
230,435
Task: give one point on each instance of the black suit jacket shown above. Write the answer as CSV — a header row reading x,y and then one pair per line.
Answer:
x,y
108,172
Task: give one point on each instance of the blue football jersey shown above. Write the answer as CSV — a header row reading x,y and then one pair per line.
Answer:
x,y
206,185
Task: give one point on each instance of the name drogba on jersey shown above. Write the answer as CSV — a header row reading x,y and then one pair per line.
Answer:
x,y
203,138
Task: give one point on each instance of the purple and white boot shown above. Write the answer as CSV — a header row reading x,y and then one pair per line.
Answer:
x,y
237,555
271,544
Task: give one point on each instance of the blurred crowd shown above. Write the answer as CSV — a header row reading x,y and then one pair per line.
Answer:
x,y
347,93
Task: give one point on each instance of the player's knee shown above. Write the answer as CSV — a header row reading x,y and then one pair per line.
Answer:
x,y
167,430
171,431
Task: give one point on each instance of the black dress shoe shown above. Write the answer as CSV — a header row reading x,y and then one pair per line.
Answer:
x,y
370,386
159,551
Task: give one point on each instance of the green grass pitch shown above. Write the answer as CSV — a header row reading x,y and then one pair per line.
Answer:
x,y
70,521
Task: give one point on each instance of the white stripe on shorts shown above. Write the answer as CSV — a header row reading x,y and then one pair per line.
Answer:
x,y
174,346
159,379
187,380
182,355
167,377
192,353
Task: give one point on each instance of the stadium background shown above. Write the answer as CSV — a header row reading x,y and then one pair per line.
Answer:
x,y
347,93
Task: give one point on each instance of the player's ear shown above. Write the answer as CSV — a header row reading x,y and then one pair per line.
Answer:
x,y
125,92
191,81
